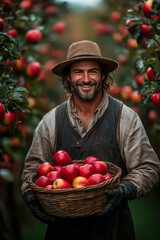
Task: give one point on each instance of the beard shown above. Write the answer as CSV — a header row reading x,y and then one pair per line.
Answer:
x,y
87,95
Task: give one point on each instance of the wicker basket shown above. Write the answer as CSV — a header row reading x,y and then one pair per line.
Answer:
x,y
76,202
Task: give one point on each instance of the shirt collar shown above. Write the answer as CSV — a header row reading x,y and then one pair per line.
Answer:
x,y
101,108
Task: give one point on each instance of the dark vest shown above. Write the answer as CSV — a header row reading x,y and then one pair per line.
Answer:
x,y
101,142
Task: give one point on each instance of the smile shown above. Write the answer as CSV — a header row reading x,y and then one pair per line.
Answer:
x,y
86,86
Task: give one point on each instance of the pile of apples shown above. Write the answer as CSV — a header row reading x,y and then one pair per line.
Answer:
x,y
65,174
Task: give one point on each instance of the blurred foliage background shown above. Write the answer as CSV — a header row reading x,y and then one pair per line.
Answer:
x,y
35,35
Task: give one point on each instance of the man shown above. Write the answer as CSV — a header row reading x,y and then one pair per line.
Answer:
x,y
91,122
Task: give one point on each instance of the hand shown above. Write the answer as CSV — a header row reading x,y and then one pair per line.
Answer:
x,y
125,190
36,209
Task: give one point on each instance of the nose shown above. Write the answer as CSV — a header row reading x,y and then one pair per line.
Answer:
x,y
86,77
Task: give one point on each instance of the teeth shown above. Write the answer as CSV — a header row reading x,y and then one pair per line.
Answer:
x,y
86,86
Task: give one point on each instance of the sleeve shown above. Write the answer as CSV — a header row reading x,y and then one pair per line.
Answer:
x,y
41,150
142,163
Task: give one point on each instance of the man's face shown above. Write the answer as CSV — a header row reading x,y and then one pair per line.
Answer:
x,y
85,78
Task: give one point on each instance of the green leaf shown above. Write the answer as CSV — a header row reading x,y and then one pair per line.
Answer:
x,y
21,89
139,39
17,96
21,106
4,91
10,38
140,65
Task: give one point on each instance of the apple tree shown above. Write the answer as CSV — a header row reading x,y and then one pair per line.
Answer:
x,y
31,34
143,24
133,38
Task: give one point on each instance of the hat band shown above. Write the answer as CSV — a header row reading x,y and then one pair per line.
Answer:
x,y
88,55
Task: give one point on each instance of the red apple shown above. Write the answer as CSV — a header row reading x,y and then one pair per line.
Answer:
x,y
43,181
147,8
32,102
156,99
49,64
108,176
2,110
50,186
6,158
139,80
33,36
57,53
132,43
130,25
144,42
115,16
44,169
41,76
61,158
80,182
126,92
69,172
136,110
96,178
115,91
122,59
156,17
15,142
77,165
152,115
135,97
86,170
146,31
13,33
1,24
57,168
90,159
59,27
33,69
100,167
150,74
20,63
117,37
9,118
7,161
51,9
9,2
53,175
102,28
44,48
61,184
26,4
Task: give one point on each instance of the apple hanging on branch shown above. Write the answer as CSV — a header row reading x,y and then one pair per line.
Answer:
x,y
2,110
33,36
156,99
150,74
1,24
9,118
33,69
147,8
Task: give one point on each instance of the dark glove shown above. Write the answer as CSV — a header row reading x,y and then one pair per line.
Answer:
x,y
125,190
36,209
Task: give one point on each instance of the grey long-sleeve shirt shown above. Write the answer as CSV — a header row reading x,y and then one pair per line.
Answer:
x,y
142,163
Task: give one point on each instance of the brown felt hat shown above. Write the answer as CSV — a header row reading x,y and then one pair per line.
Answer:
x,y
84,50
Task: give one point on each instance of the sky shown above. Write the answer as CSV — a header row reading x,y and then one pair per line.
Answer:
x,y
87,3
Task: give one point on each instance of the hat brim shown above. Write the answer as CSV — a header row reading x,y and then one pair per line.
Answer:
x,y
111,64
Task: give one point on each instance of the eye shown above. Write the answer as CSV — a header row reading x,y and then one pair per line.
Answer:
x,y
77,72
93,71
